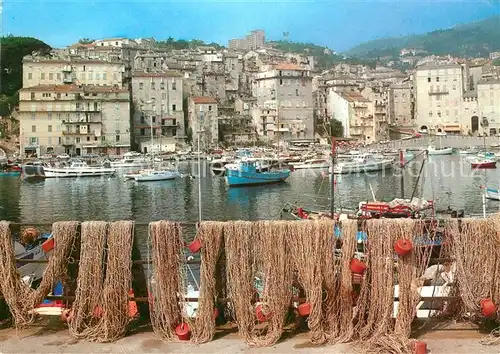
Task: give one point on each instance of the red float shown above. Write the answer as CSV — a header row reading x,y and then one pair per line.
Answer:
x,y
195,246
420,347
357,266
488,307
48,245
216,313
403,247
304,309
262,316
183,332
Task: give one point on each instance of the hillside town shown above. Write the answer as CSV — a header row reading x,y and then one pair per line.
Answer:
x,y
116,95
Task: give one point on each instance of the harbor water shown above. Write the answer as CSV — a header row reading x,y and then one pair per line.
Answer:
x,y
448,180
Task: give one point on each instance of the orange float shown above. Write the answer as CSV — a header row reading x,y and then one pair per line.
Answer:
x,y
304,309
403,247
357,266
183,332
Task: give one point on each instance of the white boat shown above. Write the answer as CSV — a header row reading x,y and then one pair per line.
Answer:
x,y
217,165
152,176
129,162
492,193
444,151
363,163
77,169
467,152
132,175
313,163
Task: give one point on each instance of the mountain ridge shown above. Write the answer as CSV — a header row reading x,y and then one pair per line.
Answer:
x,y
472,39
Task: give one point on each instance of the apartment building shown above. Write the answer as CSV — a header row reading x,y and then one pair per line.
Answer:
x,y
439,97
157,109
238,44
401,105
254,40
203,120
65,71
488,99
284,103
74,119
356,114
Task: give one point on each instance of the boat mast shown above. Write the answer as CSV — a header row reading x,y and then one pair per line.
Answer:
x,y
332,185
402,165
199,164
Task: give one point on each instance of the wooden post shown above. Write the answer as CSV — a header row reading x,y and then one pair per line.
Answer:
x,y
139,280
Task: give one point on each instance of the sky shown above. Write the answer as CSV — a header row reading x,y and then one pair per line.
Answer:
x,y
338,25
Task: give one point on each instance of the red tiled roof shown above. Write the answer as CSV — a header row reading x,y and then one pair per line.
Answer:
x,y
203,100
288,66
353,97
167,73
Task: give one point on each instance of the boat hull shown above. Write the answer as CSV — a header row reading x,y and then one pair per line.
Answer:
x,y
152,177
242,178
10,174
489,164
309,167
69,173
445,151
491,193
357,168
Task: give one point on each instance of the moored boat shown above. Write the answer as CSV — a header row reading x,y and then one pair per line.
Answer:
x,y
444,151
154,176
363,163
483,163
310,164
247,174
492,193
78,169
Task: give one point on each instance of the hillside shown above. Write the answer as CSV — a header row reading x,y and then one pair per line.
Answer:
x,y
475,39
13,49
324,61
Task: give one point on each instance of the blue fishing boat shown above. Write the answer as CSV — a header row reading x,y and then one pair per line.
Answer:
x,y
247,174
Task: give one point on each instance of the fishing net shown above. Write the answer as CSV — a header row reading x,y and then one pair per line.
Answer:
x,y
167,286
20,298
375,328
342,314
308,241
251,249
100,311
211,236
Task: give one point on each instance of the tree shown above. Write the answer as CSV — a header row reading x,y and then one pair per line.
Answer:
x,y
85,41
336,128
496,62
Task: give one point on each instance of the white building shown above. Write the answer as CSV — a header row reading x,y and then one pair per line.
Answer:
x,y
488,97
355,112
114,42
439,97
203,119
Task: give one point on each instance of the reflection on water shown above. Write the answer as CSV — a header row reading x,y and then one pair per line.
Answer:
x,y
446,179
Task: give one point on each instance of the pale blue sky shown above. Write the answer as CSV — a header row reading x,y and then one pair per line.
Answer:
x,y
336,24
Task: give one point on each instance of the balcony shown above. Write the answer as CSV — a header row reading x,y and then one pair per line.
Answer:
x,y
169,123
80,122
446,92
67,79
77,132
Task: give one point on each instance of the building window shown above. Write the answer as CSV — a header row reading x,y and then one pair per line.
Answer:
x,y
49,116
88,138
49,128
281,82
153,119
30,76
33,141
51,76
77,140
437,79
209,108
104,76
103,138
117,138
95,106
154,131
428,79
174,107
162,86
174,85
430,114
32,95
143,121
296,92
153,86
42,76
143,131
33,128
141,86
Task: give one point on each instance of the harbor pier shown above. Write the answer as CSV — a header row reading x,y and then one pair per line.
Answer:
x,y
279,284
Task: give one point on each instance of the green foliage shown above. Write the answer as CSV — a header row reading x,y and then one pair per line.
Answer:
x,y
85,41
475,39
336,128
496,62
171,43
13,49
324,61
